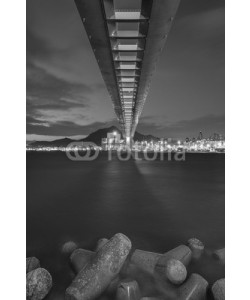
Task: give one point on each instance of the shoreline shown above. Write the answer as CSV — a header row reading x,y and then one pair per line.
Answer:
x,y
133,151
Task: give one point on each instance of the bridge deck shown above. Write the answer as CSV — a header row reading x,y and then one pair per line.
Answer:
x,y
127,38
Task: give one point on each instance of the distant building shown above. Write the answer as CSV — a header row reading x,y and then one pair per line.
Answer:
x,y
112,141
217,137
104,143
113,137
200,136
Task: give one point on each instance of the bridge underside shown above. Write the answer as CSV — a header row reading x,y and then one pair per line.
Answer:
x,y
127,37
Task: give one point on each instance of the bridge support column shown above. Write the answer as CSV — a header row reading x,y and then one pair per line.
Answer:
x,y
129,142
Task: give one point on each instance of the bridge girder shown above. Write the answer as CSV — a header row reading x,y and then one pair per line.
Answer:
x,y
127,38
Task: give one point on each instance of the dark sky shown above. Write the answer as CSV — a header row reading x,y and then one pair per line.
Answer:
x,y
66,95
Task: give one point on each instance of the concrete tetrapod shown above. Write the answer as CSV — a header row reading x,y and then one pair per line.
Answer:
x,y
32,263
145,260
38,284
181,253
220,255
196,246
175,271
218,289
95,277
128,291
195,288
79,258
68,247
100,243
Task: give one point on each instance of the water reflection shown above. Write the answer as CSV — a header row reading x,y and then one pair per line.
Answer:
x,y
159,205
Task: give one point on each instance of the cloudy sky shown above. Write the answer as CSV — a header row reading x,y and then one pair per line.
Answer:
x,y
66,95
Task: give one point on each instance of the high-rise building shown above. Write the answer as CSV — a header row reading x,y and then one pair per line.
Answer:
x,y
113,137
112,141
215,137
200,136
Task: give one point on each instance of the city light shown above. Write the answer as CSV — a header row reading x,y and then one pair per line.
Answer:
x,y
114,141
215,143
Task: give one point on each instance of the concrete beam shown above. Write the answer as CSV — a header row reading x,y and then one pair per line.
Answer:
x,y
155,23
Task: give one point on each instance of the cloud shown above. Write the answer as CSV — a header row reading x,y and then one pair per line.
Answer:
x,y
50,88
197,7
58,107
208,124
66,94
50,99
40,137
66,128
61,54
160,127
36,47
56,96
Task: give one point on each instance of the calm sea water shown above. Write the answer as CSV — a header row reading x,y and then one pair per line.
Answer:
x,y
157,204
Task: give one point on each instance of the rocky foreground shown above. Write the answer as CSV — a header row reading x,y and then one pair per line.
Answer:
x,y
113,268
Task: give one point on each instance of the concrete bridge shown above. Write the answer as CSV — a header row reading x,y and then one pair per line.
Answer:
x,y
127,37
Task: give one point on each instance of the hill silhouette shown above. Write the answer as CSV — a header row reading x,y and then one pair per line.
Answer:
x,y
95,137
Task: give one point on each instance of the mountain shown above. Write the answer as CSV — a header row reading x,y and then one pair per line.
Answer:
x,y
57,143
95,137
141,137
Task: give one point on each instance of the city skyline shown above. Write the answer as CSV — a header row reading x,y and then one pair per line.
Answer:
x,y
199,135
66,95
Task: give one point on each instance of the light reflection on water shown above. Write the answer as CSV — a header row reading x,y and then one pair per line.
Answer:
x,y
158,204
